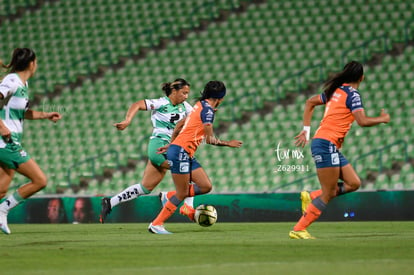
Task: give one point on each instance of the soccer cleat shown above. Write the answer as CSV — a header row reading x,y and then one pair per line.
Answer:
x,y
306,200
188,211
3,223
158,229
163,198
303,234
106,209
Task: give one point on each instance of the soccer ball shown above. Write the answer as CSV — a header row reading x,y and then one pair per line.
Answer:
x,y
205,215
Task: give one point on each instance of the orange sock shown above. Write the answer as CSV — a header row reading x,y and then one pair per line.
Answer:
x,y
311,214
188,211
166,212
170,194
191,192
315,194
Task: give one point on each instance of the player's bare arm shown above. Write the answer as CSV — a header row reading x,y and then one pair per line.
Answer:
x,y
178,127
213,140
365,121
133,109
303,137
33,115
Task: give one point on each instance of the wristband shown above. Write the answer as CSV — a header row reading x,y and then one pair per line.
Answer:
x,y
307,130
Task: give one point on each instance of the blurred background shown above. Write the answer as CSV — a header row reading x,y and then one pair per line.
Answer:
x,y
97,57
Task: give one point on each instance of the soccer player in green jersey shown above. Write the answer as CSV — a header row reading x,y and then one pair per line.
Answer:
x,y
14,110
167,111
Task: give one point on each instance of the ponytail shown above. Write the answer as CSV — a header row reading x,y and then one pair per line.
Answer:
x,y
352,72
178,84
21,59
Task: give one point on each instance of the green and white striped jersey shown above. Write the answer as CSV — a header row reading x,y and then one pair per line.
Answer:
x,y
165,115
13,106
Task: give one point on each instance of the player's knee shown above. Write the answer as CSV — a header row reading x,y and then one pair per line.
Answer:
x,y
355,184
40,181
3,192
207,188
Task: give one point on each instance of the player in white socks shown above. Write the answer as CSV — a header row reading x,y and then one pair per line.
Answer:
x,y
167,111
14,110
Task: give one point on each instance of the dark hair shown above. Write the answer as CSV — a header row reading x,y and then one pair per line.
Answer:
x,y
21,59
213,89
178,84
352,72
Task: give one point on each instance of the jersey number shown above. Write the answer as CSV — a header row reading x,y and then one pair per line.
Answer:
x,y
174,118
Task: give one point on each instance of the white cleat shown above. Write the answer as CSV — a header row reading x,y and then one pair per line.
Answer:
x,y
3,223
158,229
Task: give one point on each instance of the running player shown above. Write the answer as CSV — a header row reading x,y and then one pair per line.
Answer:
x,y
167,111
343,106
14,110
197,127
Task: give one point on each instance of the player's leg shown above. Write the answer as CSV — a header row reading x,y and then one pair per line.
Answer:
x,y
6,176
153,175
182,189
180,171
201,184
38,181
327,160
328,178
351,180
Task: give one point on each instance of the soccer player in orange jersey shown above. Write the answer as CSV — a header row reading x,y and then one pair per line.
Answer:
x,y
186,138
343,106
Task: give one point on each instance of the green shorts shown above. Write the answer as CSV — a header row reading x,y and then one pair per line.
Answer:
x,y
154,144
13,155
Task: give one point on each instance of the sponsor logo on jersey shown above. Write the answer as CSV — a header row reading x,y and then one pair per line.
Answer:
x,y
184,167
317,158
335,158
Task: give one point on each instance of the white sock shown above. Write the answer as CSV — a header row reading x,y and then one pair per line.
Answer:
x,y
128,194
189,201
12,201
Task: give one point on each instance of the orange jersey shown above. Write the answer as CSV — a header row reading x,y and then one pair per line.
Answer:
x,y
192,133
338,116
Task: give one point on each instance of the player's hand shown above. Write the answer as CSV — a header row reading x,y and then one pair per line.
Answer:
x,y
300,140
53,116
163,149
385,117
122,125
235,143
5,134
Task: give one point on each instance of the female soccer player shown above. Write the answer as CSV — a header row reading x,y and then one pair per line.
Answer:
x,y
167,111
343,106
197,127
13,110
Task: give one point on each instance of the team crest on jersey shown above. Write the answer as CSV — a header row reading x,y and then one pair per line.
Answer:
x,y
152,107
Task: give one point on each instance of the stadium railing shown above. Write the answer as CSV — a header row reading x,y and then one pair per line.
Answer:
x,y
379,153
91,164
364,46
408,32
298,77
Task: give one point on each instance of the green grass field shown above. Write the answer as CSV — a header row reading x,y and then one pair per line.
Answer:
x,y
225,248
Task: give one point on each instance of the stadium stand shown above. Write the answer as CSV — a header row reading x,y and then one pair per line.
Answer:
x,y
251,51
